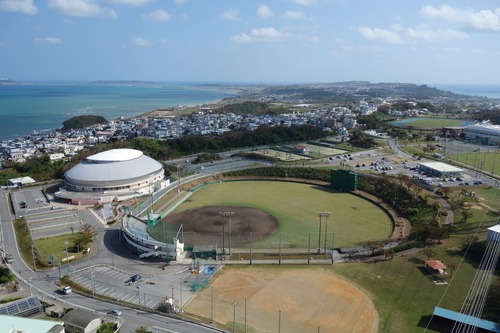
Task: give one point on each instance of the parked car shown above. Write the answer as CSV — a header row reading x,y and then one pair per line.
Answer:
x,y
135,278
114,312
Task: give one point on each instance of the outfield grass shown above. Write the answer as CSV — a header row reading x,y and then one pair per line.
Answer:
x,y
354,219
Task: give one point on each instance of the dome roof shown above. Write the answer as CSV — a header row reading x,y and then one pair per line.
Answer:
x,y
115,155
113,167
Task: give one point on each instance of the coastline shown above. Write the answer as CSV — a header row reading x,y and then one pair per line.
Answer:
x,y
39,107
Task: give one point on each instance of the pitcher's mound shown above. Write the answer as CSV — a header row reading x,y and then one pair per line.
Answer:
x,y
207,222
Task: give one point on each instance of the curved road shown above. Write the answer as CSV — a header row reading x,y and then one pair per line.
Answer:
x,y
43,284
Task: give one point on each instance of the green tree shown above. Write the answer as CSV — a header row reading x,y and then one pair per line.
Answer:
x,y
108,327
466,214
428,252
374,245
85,236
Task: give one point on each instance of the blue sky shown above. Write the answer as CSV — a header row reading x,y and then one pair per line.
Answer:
x,y
278,41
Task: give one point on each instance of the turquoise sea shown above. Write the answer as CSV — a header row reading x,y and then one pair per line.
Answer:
x,y
38,106
479,90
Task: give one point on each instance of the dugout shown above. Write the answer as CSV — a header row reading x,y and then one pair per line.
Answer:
x,y
344,180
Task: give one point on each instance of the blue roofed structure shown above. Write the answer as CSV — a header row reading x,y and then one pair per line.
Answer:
x,y
467,319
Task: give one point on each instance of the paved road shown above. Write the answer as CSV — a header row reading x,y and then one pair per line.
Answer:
x,y
109,251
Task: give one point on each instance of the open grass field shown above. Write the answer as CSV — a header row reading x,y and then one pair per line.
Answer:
x,y
55,245
354,220
280,155
429,122
487,161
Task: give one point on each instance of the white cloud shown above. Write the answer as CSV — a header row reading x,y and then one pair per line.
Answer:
x,y
22,6
293,15
130,2
268,34
264,12
232,14
487,20
304,2
385,35
435,35
397,34
48,41
158,15
85,8
139,41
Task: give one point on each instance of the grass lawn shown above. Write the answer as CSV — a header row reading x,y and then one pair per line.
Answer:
x,y
402,290
433,122
354,219
487,161
55,245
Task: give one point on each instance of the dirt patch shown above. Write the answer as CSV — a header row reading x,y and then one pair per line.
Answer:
x,y
470,205
307,298
208,223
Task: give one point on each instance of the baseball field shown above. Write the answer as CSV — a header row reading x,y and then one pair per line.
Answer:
x,y
297,298
276,212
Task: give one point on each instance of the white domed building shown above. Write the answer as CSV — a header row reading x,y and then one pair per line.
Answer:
x,y
112,175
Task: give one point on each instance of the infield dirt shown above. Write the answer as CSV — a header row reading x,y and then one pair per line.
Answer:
x,y
307,297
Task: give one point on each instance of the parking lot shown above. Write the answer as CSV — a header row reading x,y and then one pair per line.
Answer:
x,y
45,219
148,291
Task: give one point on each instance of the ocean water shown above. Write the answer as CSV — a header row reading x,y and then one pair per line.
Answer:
x,y
480,90
38,106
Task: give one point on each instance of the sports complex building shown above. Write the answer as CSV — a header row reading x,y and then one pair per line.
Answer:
x,y
112,175
485,134
440,169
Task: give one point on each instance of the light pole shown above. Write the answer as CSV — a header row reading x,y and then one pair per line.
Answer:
x,y
327,214
92,275
29,280
180,295
321,215
33,256
67,257
234,315
226,215
212,304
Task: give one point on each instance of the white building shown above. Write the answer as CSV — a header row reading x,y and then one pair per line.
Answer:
x,y
439,169
483,133
117,174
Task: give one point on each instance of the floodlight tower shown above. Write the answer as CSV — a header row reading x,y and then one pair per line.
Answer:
x,y
226,215
321,215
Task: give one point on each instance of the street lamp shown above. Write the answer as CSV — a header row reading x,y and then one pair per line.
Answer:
x,y
321,215
212,304
30,279
67,257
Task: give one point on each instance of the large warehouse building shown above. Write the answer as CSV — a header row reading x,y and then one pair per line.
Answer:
x,y
112,175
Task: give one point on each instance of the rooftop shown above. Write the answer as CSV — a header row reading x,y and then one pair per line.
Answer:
x,y
440,166
115,155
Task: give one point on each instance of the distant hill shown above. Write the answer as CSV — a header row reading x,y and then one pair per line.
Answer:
x,y
80,122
